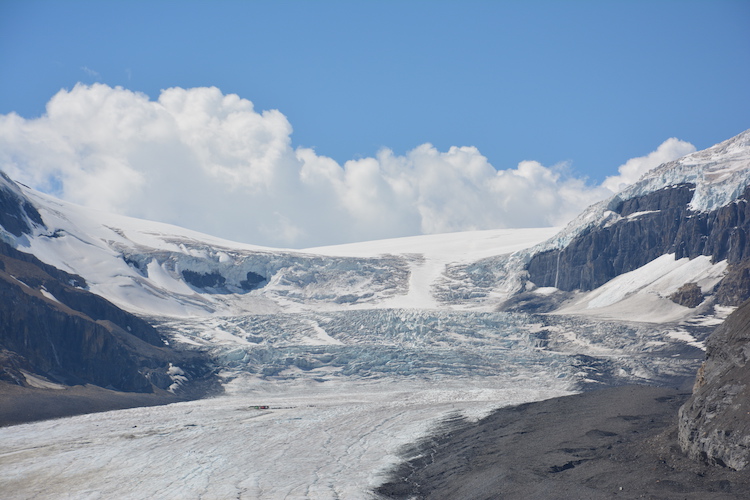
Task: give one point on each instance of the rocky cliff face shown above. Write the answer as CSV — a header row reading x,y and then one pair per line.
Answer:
x,y
649,226
714,424
70,335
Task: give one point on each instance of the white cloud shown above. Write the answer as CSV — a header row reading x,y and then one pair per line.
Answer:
x,y
211,162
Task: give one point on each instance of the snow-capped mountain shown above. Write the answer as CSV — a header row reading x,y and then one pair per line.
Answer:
x,y
152,268
684,224
718,175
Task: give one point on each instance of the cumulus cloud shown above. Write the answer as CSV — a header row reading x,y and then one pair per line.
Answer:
x,y
211,162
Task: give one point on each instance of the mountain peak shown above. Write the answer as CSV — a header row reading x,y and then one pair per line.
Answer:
x,y
720,174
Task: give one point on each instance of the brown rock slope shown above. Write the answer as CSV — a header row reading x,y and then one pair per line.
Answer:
x,y
714,424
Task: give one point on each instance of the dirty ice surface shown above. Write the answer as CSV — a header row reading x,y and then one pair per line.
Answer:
x,y
316,440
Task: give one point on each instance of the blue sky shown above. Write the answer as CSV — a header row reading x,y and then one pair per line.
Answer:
x,y
581,85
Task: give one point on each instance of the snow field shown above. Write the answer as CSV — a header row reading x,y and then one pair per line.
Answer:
x,y
643,294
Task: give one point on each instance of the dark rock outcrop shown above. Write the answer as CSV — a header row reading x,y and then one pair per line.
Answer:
x,y
203,280
651,226
688,295
70,290
12,366
51,326
733,288
109,348
215,280
70,336
16,213
253,281
714,424
532,303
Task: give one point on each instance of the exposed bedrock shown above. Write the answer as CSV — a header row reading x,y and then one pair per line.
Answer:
x,y
16,213
653,225
203,280
217,280
714,424
50,327
688,295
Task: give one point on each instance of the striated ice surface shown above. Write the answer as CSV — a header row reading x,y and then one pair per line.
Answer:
x,y
317,440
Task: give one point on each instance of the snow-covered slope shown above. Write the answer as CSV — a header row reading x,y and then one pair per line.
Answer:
x,y
720,174
157,269
643,294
